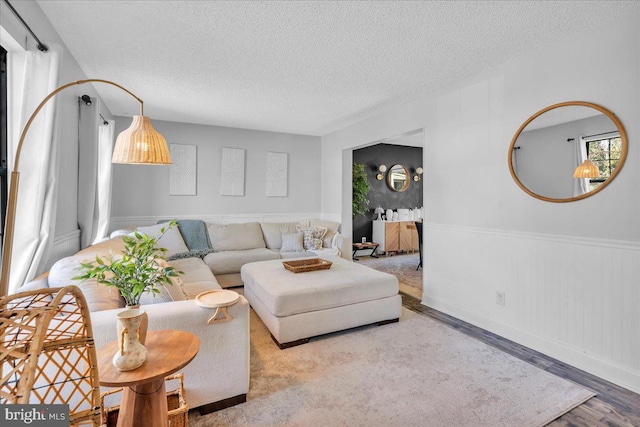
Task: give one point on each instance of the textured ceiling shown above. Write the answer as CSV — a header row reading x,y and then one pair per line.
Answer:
x,y
308,67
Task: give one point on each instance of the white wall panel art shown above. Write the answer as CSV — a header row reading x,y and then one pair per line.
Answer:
x,y
232,172
183,170
277,174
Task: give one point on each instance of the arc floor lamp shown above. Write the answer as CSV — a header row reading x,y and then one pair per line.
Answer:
x,y
140,144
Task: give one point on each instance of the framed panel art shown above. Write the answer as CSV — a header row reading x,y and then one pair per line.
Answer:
x,y
277,174
232,172
183,170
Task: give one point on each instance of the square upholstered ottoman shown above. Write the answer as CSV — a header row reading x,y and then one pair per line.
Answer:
x,y
297,306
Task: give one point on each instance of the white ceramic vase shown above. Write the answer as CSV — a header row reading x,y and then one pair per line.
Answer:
x,y
389,215
131,353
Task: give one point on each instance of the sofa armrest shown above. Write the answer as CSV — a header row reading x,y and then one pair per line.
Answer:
x,y
40,282
343,244
221,368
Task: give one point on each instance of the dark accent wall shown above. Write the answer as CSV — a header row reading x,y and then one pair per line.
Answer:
x,y
380,194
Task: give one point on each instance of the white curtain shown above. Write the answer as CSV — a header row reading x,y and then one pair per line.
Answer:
x,y
32,76
94,174
105,150
580,185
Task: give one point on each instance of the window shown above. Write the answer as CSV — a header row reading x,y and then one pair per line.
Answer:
x,y
605,154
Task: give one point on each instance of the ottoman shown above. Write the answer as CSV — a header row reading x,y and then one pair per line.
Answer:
x,y
297,306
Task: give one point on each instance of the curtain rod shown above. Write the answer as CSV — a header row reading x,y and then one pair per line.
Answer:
x,y
41,46
603,133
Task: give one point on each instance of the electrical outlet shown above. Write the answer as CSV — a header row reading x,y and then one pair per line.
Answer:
x,y
500,298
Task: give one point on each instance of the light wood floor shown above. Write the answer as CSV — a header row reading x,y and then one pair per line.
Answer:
x,y
613,405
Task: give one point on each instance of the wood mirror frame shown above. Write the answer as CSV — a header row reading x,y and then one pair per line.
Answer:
x,y
614,173
390,174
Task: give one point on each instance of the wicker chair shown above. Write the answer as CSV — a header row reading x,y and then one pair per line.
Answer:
x,y
47,352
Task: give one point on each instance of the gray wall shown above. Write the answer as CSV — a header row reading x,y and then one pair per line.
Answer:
x,y
143,191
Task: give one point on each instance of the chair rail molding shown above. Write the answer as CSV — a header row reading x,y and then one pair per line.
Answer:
x,y
137,221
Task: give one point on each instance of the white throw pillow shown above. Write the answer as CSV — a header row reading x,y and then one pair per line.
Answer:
x,y
313,237
172,239
292,242
332,229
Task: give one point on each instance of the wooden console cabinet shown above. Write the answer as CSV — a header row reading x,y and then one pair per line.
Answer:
x,y
395,236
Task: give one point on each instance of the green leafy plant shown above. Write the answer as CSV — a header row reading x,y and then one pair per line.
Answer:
x,y
136,270
360,202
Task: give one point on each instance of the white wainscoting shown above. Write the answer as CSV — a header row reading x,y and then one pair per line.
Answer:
x,y
118,223
575,299
63,246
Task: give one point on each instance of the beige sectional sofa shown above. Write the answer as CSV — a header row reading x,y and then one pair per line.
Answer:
x,y
219,375
237,244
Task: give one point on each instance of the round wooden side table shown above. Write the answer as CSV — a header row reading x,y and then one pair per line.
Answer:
x,y
144,400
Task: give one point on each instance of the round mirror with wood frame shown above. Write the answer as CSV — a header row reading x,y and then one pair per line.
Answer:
x,y
398,178
552,143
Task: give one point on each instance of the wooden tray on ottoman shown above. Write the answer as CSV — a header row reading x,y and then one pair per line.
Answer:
x,y
308,264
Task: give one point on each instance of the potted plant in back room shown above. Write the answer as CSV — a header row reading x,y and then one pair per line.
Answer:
x,y
360,202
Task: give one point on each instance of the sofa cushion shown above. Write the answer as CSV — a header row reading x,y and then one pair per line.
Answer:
x,y
99,297
236,237
332,228
231,261
292,242
194,269
313,237
171,240
273,231
197,276
174,292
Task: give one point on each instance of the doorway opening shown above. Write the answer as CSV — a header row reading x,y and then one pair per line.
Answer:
x,y
393,168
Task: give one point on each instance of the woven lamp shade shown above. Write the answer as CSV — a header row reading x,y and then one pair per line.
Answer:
x,y
587,170
141,144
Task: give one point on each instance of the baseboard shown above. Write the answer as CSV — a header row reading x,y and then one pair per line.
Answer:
x,y
222,404
574,357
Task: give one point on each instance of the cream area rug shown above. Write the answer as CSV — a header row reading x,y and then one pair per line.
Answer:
x,y
417,372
